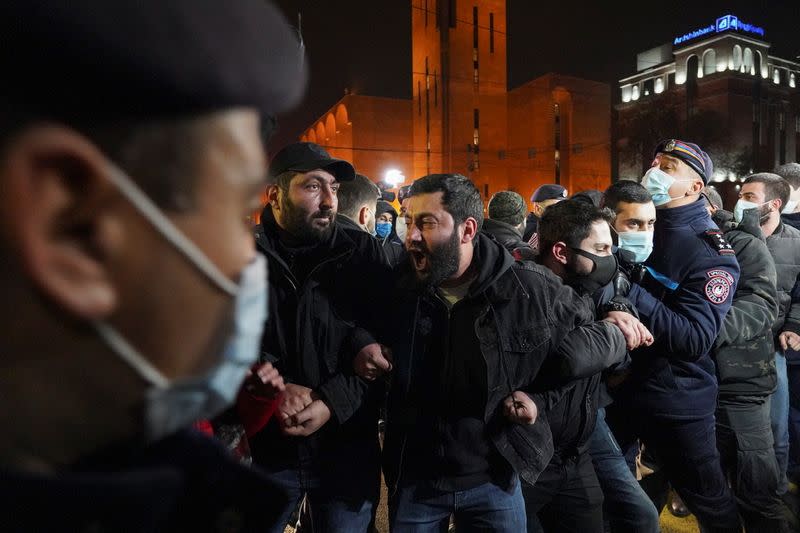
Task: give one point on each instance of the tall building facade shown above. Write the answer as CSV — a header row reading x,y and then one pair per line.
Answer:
x,y
462,117
720,86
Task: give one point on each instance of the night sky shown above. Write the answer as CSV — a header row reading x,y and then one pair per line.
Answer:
x,y
365,45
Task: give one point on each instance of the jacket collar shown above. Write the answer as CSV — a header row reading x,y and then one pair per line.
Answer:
x,y
500,228
683,215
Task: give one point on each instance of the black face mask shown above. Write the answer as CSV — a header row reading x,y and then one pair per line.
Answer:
x,y
602,273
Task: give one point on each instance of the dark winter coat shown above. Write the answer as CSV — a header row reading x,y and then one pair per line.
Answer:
x,y
511,238
319,318
525,320
744,350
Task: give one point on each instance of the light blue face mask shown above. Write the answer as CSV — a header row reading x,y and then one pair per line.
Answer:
x,y
657,182
401,228
639,243
742,206
383,229
791,205
173,405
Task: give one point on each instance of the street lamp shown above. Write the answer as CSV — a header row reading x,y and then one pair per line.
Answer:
x,y
394,177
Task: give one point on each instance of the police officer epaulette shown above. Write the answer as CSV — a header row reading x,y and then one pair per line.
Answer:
x,y
718,242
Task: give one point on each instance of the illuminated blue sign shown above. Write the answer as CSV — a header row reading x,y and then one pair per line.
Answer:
x,y
726,23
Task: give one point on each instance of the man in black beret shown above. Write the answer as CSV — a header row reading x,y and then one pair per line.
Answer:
x,y
325,277
134,298
542,198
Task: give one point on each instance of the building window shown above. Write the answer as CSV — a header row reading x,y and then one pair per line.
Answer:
x,y
475,27
649,87
659,86
792,80
531,153
501,154
776,76
635,92
452,13
557,126
426,13
491,33
475,125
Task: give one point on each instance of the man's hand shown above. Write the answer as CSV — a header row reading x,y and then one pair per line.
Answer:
x,y
373,361
789,339
520,409
265,381
295,399
634,331
307,421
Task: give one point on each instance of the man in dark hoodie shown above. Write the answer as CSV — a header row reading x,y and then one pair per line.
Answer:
x,y
473,328
385,231
575,243
507,221
357,203
323,282
745,359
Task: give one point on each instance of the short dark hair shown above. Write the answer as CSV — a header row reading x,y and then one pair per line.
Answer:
x,y
625,191
570,222
713,197
774,186
461,198
355,193
791,173
161,155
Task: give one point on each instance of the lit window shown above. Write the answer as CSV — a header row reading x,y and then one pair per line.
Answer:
x,y
659,86
776,76
635,93
792,80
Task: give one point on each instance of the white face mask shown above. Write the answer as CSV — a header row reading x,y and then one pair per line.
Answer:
x,y
742,206
401,228
173,405
791,205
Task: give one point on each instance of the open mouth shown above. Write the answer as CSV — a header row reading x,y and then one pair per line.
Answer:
x,y
419,260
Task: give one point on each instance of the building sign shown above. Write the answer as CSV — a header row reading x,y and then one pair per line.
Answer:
x,y
726,23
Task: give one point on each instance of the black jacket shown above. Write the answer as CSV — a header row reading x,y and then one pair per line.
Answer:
x,y
784,245
744,350
316,312
531,226
186,482
523,318
510,238
793,219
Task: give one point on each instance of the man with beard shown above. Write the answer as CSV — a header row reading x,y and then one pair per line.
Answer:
x,y
575,243
770,193
323,282
473,327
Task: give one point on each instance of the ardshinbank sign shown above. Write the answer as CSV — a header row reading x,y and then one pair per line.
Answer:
x,y
726,23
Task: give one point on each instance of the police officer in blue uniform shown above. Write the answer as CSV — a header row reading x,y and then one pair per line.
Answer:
x,y
669,399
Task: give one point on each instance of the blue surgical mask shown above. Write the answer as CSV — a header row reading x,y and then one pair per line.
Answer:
x,y
639,243
171,405
401,228
657,182
383,229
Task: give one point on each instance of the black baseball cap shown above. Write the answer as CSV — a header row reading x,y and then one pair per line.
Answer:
x,y
305,157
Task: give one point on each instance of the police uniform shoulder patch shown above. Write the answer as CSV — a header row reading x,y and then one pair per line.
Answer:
x,y
717,241
719,285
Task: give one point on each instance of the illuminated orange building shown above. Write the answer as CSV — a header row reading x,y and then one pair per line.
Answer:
x,y
462,117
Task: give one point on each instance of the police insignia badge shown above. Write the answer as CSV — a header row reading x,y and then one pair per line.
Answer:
x,y
718,242
718,287
670,146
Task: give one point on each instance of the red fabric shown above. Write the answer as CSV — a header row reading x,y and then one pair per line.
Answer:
x,y
255,411
204,426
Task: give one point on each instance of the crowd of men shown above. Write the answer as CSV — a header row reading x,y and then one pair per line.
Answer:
x,y
559,366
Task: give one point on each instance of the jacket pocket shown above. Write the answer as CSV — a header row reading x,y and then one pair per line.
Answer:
x,y
524,350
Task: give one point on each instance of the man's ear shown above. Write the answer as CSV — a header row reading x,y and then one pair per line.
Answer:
x,y
272,195
64,217
363,215
559,252
470,230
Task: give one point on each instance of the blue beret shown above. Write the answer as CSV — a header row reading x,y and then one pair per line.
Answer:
x,y
106,60
689,153
549,191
